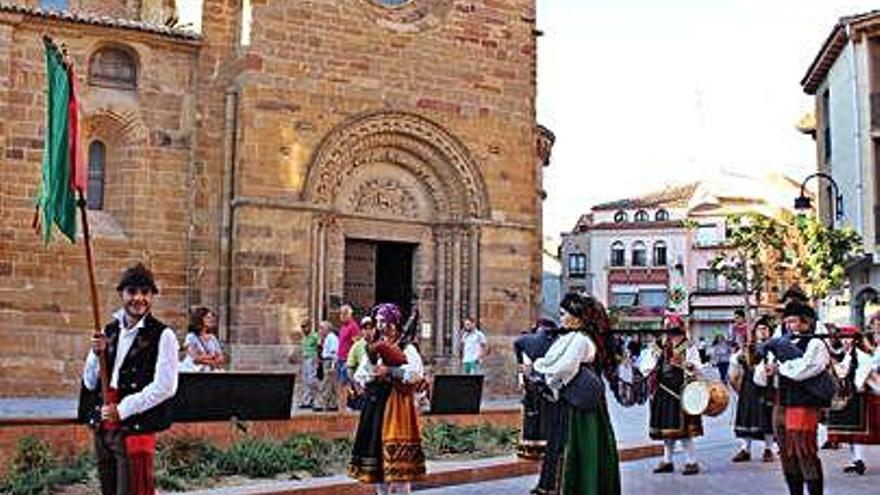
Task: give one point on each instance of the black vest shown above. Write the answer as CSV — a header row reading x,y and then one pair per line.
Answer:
x,y
797,393
137,371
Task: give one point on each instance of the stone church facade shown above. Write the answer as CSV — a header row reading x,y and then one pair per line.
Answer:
x,y
288,157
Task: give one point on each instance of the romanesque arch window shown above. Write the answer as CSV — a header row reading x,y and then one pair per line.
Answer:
x,y
95,191
620,217
639,254
641,216
661,215
113,67
618,254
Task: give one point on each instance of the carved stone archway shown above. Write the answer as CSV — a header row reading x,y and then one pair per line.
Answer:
x,y
393,176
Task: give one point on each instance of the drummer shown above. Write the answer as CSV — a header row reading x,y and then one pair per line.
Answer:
x,y
671,369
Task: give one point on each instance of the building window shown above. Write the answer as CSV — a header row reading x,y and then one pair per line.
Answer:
x,y
577,265
707,280
707,235
54,4
620,216
639,254
113,68
95,191
618,254
641,216
826,125
621,299
659,253
661,215
244,36
652,298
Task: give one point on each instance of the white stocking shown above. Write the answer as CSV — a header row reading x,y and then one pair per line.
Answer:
x,y
381,489
690,456
856,451
746,444
668,447
768,441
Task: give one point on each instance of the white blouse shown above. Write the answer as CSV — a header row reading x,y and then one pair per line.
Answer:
x,y
563,360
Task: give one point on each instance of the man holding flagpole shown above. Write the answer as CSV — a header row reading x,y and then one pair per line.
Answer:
x,y
141,352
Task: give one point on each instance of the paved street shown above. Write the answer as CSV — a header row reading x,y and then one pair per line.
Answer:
x,y
720,477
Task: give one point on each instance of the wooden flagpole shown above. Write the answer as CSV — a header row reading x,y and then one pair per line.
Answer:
x,y
96,313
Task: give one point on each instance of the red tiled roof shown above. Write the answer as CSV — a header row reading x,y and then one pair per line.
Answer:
x,y
670,197
99,20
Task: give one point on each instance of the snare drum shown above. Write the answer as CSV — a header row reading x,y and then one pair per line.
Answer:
x,y
704,397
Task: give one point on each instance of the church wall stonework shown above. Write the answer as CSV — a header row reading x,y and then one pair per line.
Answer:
x,y
239,172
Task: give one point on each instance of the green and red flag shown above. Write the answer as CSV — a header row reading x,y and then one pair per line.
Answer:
x,y
63,170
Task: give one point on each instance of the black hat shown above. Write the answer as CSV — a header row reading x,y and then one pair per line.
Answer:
x,y
764,320
574,304
137,276
794,293
796,308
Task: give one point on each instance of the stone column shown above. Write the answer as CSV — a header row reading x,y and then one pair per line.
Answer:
x,y
456,288
474,272
440,292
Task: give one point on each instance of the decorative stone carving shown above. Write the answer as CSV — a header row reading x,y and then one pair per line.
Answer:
x,y
427,151
384,197
407,15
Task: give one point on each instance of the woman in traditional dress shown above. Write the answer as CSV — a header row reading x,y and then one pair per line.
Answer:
x,y
581,454
668,422
859,422
387,450
528,347
754,409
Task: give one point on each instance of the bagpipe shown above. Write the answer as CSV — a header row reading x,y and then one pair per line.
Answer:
x,y
391,352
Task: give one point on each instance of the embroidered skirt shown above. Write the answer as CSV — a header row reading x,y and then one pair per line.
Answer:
x,y
402,455
859,423
533,436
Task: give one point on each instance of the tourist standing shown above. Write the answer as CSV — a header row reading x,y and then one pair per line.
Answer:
x,y
329,352
474,347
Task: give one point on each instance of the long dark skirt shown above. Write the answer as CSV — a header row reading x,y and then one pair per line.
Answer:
x,y
551,467
366,453
668,421
533,438
581,454
754,410
591,465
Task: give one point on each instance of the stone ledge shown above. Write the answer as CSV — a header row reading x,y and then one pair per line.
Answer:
x,y
440,474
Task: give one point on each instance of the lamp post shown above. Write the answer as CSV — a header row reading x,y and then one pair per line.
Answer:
x,y
804,203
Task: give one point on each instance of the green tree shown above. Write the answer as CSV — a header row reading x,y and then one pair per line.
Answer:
x,y
798,246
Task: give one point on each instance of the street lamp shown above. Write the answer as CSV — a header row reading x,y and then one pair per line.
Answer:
x,y
804,203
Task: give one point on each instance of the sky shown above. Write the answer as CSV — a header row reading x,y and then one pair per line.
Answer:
x,y
644,93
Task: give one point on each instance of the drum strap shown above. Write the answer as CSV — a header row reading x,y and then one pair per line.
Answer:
x,y
670,392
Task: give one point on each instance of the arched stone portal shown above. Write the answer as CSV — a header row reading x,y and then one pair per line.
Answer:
x,y
392,177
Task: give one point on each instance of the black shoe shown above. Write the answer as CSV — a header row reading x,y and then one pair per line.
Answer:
x,y
306,406
691,469
664,467
317,409
829,445
857,467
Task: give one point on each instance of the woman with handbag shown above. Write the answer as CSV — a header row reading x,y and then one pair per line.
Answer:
x,y
858,422
581,453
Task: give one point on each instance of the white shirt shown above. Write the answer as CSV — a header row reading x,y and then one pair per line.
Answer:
x,y
413,370
814,361
563,360
330,347
471,343
164,384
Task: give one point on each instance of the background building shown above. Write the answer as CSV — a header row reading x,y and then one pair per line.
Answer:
x,y
845,80
647,253
286,157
